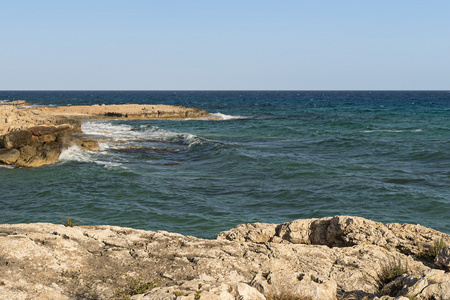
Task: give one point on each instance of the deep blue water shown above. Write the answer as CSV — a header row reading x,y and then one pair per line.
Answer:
x,y
272,157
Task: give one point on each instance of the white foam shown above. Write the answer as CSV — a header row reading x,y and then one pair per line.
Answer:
x,y
220,116
7,167
107,130
122,135
102,158
110,164
74,153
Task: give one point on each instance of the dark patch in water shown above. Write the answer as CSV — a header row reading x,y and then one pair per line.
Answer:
x,y
402,180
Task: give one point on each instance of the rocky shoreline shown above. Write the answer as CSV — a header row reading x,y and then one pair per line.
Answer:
x,y
339,257
32,136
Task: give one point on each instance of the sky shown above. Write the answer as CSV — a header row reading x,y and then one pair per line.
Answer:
x,y
224,45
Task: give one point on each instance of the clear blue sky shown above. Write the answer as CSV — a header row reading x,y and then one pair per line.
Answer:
x,y
224,45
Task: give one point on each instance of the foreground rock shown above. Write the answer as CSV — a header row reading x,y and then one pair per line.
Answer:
x,y
331,258
35,136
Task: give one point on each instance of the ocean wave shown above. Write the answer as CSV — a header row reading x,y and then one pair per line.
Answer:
x,y
74,153
219,117
7,167
102,158
110,164
124,135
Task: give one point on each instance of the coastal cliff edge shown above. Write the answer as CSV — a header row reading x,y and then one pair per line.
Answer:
x,y
339,257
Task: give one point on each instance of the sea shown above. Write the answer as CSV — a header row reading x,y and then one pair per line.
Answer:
x,y
268,156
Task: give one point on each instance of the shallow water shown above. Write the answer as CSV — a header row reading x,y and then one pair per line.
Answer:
x,y
270,157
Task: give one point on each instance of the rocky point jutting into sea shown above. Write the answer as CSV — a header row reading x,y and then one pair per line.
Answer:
x,y
330,258
35,136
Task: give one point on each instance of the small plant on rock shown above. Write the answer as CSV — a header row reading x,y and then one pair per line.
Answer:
x,y
179,293
69,221
391,270
431,253
134,287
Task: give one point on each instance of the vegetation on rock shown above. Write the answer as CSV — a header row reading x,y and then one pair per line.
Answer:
x,y
432,251
69,221
392,269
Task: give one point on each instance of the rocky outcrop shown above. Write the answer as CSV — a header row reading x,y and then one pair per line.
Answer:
x,y
16,139
443,258
343,258
339,232
39,145
39,134
18,103
126,111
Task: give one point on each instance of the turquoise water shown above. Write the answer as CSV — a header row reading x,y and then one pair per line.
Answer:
x,y
271,157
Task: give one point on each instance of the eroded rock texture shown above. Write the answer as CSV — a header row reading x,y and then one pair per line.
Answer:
x,y
332,258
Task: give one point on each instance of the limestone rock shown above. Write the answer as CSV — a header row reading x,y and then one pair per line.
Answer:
x,y
443,258
89,144
413,284
339,231
16,139
38,156
96,262
64,140
255,232
291,284
246,292
9,156
19,103
438,291
414,239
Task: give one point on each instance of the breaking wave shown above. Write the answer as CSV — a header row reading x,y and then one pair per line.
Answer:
x,y
122,135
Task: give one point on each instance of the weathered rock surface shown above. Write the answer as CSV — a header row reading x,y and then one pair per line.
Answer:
x,y
18,103
41,133
339,231
16,139
443,258
9,156
126,111
39,145
47,261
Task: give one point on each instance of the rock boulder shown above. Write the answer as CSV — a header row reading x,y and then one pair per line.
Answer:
x,y
9,156
443,258
16,139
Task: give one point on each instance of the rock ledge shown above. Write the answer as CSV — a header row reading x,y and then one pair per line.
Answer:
x,y
331,258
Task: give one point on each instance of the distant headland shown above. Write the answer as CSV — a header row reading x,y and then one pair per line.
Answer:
x,y
33,136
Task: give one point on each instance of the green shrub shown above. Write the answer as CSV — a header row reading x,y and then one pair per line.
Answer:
x,y
179,293
430,254
69,221
134,287
197,295
391,270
